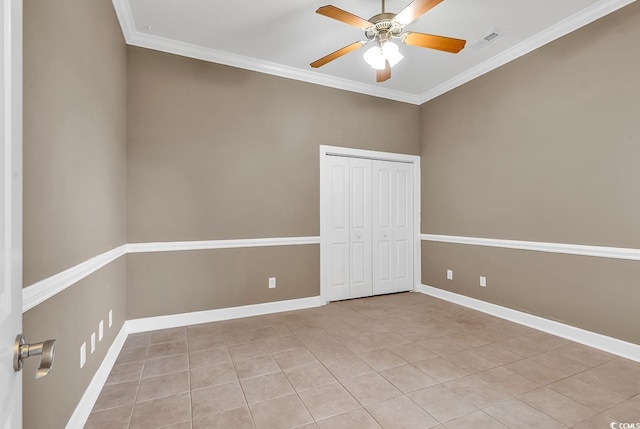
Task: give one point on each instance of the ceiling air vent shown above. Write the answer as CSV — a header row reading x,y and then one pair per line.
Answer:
x,y
487,39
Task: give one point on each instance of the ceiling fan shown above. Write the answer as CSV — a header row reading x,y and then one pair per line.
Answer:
x,y
382,29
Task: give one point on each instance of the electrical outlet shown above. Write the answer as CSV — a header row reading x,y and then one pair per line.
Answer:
x,y
483,281
100,330
110,318
93,342
83,354
272,282
450,274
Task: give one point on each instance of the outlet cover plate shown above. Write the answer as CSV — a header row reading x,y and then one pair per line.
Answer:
x,y
83,354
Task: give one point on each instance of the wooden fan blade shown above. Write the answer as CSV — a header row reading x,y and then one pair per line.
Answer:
x,y
441,43
414,10
344,16
337,54
382,75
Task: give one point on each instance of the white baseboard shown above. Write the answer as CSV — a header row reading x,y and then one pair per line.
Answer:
x,y
588,338
83,409
196,317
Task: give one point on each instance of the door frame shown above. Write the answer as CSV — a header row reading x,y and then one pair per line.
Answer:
x,y
414,160
11,185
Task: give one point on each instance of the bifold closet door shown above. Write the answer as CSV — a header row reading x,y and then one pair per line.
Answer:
x,y
392,198
347,205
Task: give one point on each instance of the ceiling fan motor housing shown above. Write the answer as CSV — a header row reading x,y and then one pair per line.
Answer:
x,y
384,27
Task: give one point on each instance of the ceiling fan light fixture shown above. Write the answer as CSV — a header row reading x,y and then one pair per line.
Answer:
x,y
375,57
391,53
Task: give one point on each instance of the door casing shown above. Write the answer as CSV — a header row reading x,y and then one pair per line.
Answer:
x,y
10,210
414,160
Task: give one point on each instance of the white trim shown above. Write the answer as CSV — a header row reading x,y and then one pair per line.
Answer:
x,y
566,26
207,316
46,288
325,151
83,409
136,38
172,246
539,246
125,18
588,338
11,16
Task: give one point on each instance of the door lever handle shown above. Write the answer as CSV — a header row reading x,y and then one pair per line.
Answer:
x,y
45,349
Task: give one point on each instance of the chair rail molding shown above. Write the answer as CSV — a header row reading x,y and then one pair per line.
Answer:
x,y
540,246
40,291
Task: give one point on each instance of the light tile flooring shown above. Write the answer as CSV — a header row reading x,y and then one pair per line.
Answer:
x,y
396,361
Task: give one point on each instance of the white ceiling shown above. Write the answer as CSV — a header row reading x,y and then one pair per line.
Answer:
x,y
282,37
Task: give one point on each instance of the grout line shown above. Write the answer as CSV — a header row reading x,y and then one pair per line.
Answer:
x,y
327,334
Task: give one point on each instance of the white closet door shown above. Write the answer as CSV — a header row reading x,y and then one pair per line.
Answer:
x,y
392,227
383,247
348,225
360,170
403,227
337,229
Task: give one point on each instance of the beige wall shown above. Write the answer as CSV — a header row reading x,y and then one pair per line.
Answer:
x,y
74,188
70,317
543,149
216,152
180,282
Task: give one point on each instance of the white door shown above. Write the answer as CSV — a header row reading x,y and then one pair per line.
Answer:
x,y
368,227
10,211
360,226
393,233
347,205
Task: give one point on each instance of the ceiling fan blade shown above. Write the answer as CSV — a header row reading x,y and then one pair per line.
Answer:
x,y
344,16
441,43
337,54
382,75
414,10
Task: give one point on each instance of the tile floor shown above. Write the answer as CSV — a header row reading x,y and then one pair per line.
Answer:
x,y
396,361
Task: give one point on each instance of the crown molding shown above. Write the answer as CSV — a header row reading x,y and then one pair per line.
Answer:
x,y
134,37
562,28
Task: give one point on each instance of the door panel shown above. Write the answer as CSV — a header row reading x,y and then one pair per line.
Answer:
x,y
401,215
403,226
382,227
360,227
336,202
401,268
338,265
